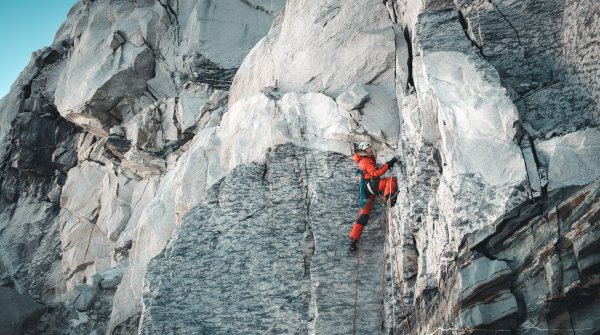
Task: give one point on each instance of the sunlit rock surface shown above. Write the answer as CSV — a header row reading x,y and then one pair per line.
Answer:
x,y
190,161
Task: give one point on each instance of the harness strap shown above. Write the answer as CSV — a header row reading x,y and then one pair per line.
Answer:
x,y
370,189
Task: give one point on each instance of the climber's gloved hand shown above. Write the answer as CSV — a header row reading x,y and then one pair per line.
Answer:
x,y
391,162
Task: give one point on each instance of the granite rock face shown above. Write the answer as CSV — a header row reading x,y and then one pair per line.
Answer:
x,y
270,234
190,160
292,58
526,274
96,120
18,311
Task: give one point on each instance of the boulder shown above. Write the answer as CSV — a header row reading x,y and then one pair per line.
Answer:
x,y
111,278
84,296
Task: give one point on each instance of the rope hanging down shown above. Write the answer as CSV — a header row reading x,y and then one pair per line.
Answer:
x,y
362,201
356,296
388,224
382,276
397,277
360,205
379,321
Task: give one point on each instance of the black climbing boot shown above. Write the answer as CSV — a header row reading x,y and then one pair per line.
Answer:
x,y
393,199
353,244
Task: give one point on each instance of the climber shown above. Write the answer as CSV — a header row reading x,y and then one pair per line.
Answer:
x,y
364,156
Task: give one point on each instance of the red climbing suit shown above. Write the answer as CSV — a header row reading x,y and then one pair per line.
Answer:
x,y
374,186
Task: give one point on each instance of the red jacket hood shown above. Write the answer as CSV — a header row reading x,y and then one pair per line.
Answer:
x,y
357,157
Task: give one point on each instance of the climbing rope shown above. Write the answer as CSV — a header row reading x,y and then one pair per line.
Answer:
x,y
393,300
356,292
379,321
406,320
385,239
383,271
360,204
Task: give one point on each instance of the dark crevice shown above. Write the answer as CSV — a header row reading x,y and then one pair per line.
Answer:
x,y
265,172
330,14
507,21
409,62
465,25
149,91
255,212
506,226
257,7
391,6
558,250
27,91
376,76
156,52
415,244
170,12
308,248
487,254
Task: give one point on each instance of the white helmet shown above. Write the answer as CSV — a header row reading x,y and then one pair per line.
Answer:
x,y
364,146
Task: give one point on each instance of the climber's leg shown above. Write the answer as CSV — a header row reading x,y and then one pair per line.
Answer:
x,y
387,187
361,222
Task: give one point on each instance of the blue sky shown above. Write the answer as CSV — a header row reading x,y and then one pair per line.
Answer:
x,y
26,26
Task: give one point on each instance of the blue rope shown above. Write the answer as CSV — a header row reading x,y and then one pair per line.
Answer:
x,y
362,198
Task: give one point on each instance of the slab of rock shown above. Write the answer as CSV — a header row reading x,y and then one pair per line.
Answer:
x,y
86,250
115,204
481,277
257,254
18,311
314,47
545,69
194,102
572,159
503,309
84,296
467,116
353,98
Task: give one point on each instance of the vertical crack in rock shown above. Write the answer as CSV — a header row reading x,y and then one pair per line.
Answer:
x,y
87,248
391,7
466,28
558,252
170,12
493,2
528,64
308,245
409,62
